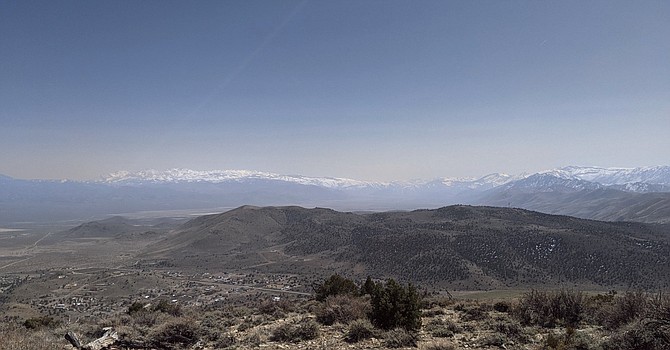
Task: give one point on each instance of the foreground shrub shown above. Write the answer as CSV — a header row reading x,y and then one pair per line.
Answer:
x,y
394,305
496,340
400,338
502,306
639,335
438,346
335,285
296,331
225,341
473,312
570,340
548,309
135,308
40,322
658,307
342,309
650,332
511,330
622,310
175,333
359,330
16,337
167,307
443,328
430,302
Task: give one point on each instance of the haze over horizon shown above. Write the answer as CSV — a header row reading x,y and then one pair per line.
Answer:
x,y
374,90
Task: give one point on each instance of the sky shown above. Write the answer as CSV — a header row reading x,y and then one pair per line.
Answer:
x,y
370,90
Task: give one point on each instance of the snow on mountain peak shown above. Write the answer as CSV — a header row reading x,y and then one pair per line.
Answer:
x,y
617,176
571,176
178,175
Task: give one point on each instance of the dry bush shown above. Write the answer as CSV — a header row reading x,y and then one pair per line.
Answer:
x,y
296,331
169,308
16,337
400,338
359,330
433,312
145,319
342,309
570,340
438,346
622,310
512,330
216,321
276,308
442,328
495,340
251,322
658,308
643,334
548,309
254,339
502,306
473,312
175,333
436,301
136,307
224,341
41,322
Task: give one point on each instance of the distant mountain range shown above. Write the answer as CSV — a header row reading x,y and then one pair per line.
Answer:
x,y
636,194
658,175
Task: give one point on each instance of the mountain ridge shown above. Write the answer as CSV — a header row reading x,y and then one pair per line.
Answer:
x,y
569,190
606,176
459,246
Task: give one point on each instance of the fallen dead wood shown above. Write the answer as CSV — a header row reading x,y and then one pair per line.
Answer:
x,y
108,338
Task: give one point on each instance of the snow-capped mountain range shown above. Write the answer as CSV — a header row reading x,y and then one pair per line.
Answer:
x,y
218,176
577,177
641,194
615,176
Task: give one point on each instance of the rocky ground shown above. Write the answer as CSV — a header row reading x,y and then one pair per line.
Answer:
x,y
557,320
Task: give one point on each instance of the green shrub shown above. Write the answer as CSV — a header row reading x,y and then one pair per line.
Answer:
x,y
335,285
396,306
359,330
369,287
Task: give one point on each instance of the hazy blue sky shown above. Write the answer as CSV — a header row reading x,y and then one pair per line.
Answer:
x,y
374,90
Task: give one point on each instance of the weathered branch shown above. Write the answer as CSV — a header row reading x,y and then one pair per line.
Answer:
x,y
107,339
